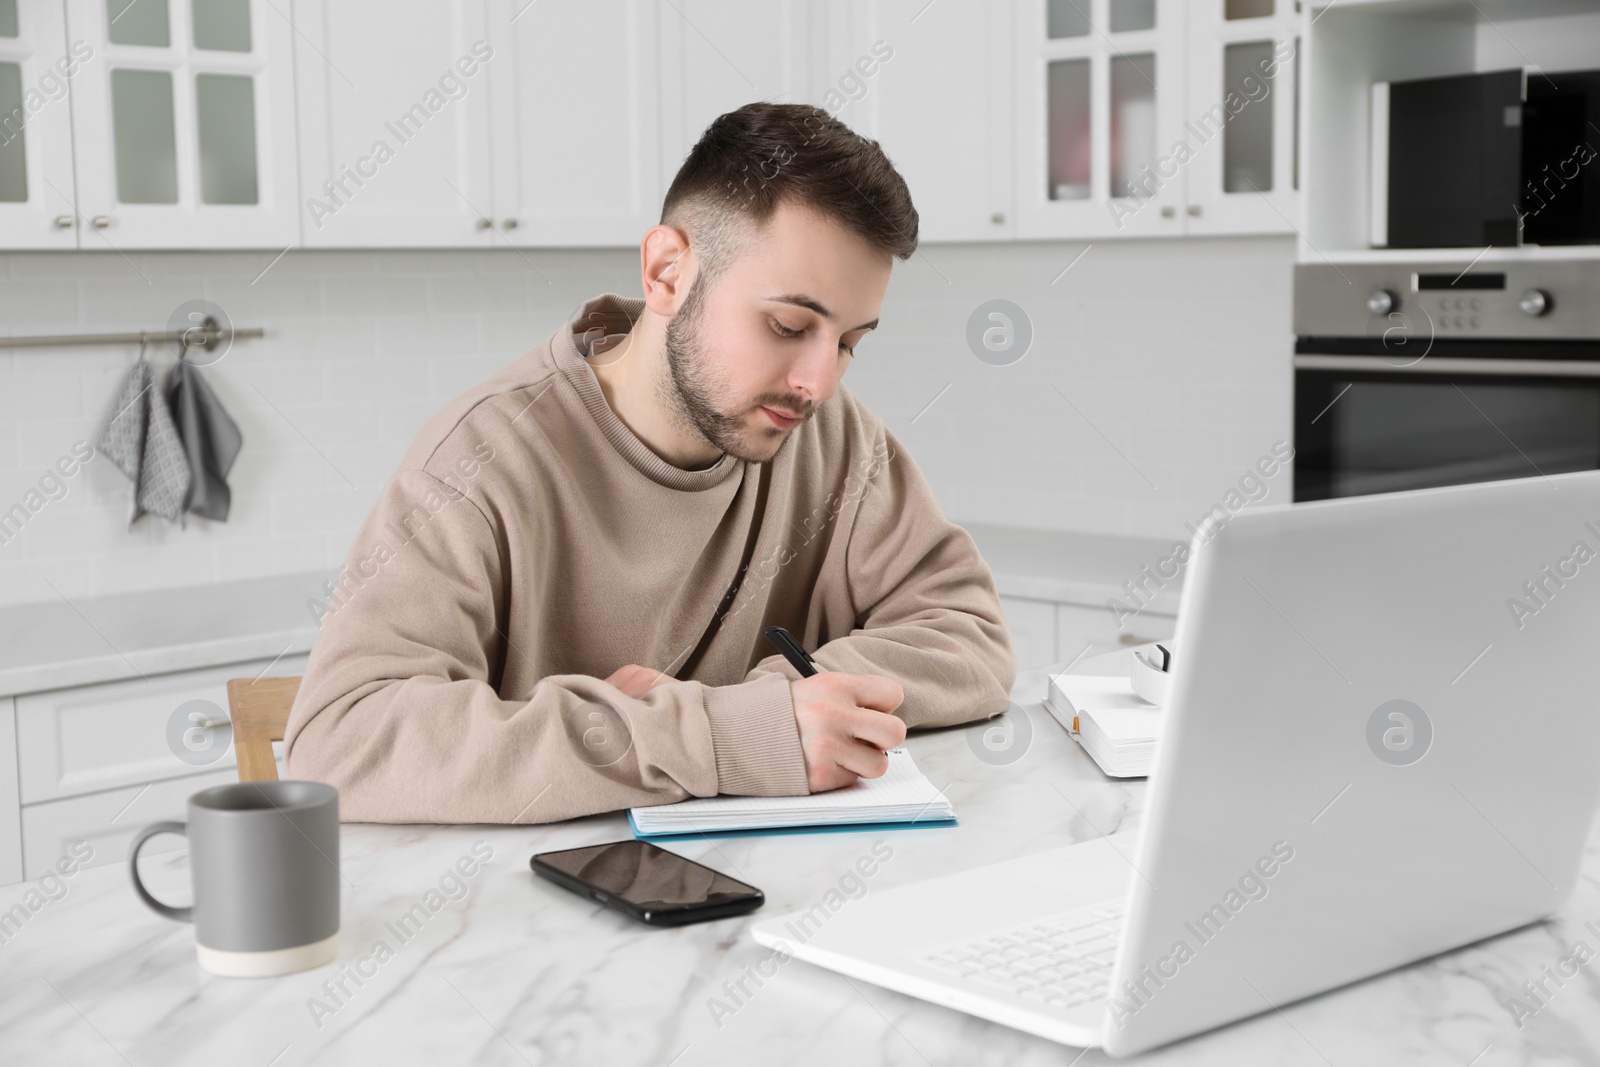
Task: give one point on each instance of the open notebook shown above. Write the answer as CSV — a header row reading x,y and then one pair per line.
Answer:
x,y
900,797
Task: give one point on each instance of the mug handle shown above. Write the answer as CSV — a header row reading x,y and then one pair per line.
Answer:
x,y
185,915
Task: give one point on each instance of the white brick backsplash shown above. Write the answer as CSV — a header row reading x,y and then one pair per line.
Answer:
x,y
35,396
153,566
260,557
389,294
28,303
1179,351
28,581
442,335
470,291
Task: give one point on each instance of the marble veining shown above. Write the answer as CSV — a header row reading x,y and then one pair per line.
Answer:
x,y
516,971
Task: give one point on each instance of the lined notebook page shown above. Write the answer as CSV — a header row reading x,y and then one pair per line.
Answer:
x,y
901,793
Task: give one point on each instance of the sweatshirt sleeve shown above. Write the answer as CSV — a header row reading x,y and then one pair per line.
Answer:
x,y
927,614
397,710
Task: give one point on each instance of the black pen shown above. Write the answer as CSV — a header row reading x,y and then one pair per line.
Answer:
x,y
784,642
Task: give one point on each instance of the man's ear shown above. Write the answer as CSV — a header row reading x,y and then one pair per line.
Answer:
x,y
664,273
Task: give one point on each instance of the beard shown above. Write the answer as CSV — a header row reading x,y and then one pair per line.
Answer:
x,y
691,388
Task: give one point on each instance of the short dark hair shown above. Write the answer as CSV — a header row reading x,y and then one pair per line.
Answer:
x,y
754,158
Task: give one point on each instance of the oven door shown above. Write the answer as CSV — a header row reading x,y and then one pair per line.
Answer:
x,y
1372,424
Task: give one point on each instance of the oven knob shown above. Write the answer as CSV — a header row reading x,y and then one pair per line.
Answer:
x,y
1535,302
1381,302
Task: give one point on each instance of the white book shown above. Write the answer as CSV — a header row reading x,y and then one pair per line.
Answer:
x,y
900,795
1118,728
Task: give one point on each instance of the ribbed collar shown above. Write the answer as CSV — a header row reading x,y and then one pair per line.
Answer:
x,y
572,347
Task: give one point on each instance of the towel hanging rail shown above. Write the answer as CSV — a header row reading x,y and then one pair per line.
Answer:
x,y
200,337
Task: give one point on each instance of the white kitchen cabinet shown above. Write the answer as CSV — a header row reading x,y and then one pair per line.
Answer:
x,y
10,803
1083,630
183,124
108,821
394,104
38,70
1155,117
576,134
933,84
97,737
1241,116
718,55
479,124
1099,98
97,762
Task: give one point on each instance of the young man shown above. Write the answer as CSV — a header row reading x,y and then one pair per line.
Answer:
x,y
556,607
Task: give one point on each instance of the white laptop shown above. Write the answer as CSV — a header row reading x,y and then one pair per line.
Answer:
x,y
1383,744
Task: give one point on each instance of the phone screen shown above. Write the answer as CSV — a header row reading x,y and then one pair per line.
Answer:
x,y
647,881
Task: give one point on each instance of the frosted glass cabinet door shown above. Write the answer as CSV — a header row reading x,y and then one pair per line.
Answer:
x,y
1241,117
1099,90
38,68
184,124
393,98
577,123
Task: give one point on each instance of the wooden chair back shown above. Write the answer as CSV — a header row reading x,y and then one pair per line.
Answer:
x,y
259,708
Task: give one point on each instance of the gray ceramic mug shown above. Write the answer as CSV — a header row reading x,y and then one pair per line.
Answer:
x,y
264,866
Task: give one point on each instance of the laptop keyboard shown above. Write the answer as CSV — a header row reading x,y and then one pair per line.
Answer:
x,y
1060,961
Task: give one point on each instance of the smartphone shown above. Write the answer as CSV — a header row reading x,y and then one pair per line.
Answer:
x,y
648,883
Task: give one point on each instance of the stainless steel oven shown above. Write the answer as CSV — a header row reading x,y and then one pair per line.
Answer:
x,y
1418,374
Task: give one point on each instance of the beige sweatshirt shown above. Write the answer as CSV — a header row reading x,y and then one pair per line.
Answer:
x,y
530,544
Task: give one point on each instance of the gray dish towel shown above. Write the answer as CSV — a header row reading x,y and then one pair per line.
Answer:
x,y
143,443
210,438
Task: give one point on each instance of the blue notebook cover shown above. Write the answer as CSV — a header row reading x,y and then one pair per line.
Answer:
x,y
837,828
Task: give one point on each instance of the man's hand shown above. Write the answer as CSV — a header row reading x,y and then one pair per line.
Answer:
x,y
636,681
844,726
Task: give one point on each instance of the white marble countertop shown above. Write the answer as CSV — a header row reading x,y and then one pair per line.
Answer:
x,y
1071,567
518,971
57,644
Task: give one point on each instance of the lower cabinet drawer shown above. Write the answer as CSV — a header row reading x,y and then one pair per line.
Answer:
x,y
95,738
108,821
1082,630
10,813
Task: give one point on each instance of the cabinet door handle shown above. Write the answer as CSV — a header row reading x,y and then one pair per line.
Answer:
x,y
1168,211
100,222
63,222
1135,639
509,224
998,218
484,224
1194,209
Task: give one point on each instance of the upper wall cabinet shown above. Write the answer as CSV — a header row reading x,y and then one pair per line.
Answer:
x,y
576,135
1099,97
1242,116
1155,117
183,123
932,84
553,123
480,123
37,70
718,55
394,123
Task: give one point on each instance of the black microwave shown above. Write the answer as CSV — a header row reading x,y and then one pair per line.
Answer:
x,y
1503,158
